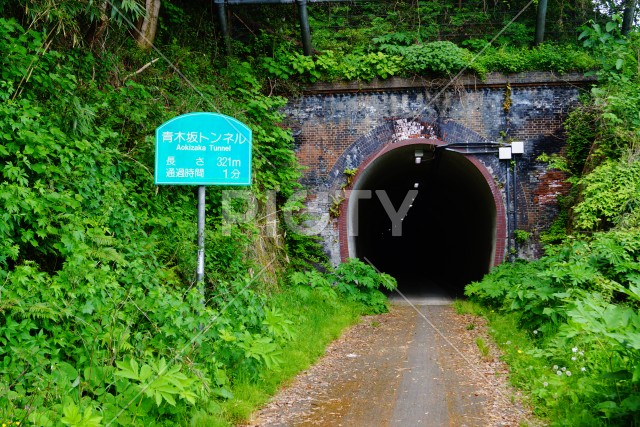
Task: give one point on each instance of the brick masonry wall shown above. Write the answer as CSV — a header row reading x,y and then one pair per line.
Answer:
x,y
340,126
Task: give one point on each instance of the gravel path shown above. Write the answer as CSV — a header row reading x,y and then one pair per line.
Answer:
x,y
415,366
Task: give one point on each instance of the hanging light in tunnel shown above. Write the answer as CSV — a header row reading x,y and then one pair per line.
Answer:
x,y
416,185
419,154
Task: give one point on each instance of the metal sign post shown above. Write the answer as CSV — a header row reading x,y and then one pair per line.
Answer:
x,y
201,217
203,149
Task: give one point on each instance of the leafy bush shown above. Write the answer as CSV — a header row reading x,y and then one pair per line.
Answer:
x,y
609,192
440,58
361,282
584,296
354,280
391,56
581,128
546,57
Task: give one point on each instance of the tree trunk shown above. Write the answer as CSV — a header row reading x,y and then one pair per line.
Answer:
x,y
101,25
148,25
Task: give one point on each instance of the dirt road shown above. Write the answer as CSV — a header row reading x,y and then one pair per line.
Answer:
x,y
419,365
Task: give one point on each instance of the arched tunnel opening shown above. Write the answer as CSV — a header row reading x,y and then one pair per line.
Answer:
x,y
447,237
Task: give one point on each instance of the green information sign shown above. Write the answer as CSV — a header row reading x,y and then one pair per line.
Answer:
x,y
203,149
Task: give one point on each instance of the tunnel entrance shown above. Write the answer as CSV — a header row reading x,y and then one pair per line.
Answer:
x,y
447,237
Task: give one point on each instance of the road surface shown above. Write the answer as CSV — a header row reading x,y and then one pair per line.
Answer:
x,y
419,365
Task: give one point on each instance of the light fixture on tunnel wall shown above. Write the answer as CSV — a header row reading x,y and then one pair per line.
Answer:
x,y
504,153
416,185
517,147
419,154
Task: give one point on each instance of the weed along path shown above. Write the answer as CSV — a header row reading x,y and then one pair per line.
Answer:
x,y
422,364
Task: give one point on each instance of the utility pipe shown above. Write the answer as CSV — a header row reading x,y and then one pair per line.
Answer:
x,y
304,27
540,21
627,17
224,27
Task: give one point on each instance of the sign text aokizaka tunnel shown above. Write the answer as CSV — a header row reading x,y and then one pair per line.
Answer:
x,y
203,149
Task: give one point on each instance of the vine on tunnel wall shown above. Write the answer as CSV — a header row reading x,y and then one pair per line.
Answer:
x,y
506,105
335,210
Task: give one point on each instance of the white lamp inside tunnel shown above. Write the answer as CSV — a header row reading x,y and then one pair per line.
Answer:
x,y
419,154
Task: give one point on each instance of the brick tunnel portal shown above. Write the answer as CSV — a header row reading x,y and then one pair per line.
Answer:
x,y
447,237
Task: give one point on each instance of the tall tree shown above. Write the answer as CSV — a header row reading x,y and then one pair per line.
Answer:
x,y
102,22
148,24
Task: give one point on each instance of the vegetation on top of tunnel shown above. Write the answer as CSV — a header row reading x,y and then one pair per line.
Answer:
x,y
369,40
383,58
577,352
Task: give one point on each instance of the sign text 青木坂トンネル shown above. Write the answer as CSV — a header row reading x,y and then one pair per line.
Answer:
x,y
203,149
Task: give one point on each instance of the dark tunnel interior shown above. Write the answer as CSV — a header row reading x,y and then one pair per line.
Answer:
x,y
447,236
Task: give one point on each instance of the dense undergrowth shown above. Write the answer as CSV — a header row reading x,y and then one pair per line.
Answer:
x,y
428,39
577,349
102,322
431,59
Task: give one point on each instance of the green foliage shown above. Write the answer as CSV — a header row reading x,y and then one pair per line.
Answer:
x,y
100,321
614,103
617,61
305,250
160,382
482,346
581,128
387,48
440,58
610,192
361,282
316,319
546,57
71,20
521,236
349,174
579,307
603,136
74,418
391,56
354,280
557,231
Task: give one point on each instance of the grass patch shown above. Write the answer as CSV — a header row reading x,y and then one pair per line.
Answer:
x,y
483,347
468,307
318,320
